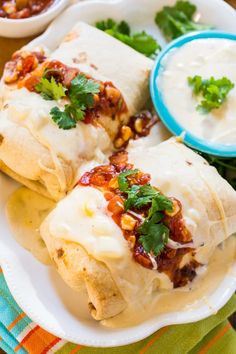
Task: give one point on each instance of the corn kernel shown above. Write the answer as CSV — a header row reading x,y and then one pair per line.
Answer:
x,y
126,133
175,209
138,125
131,241
9,8
127,222
88,211
119,143
13,77
19,65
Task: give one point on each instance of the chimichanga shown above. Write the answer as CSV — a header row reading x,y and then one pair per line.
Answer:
x,y
147,220
84,88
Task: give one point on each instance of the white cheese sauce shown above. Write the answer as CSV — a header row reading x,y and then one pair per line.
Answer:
x,y
82,217
25,212
30,110
191,297
204,57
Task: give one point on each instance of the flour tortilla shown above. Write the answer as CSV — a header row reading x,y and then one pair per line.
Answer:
x,y
28,134
209,210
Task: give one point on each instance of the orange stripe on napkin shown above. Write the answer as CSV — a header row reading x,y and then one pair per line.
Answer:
x,y
152,341
215,339
16,320
76,349
54,342
37,340
20,345
0,270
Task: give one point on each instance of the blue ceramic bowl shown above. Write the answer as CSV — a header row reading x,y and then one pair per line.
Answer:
x,y
167,118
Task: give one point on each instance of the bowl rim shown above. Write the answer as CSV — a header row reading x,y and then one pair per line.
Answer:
x,y
56,5
221,150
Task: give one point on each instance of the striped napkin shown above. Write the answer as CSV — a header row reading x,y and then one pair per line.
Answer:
x,y
18,334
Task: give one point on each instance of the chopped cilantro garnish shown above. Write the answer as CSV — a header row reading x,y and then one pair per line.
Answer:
x,y
153,235
153,232
214,91
81,94
83,89
50,89
177,20
62,118
122,179
141,196
140,41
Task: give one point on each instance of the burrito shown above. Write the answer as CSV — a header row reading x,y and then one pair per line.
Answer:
x,y
59,109
146,221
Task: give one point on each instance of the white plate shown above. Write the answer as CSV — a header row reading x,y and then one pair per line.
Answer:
x,y
37,288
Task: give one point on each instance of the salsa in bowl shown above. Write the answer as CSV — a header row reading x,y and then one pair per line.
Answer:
x,y
22,18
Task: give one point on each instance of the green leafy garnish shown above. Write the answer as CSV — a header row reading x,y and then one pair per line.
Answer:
x,y
62,118
153,232
122,179
154,235
140,41
214,91
50,89
81,95
141,196
177,20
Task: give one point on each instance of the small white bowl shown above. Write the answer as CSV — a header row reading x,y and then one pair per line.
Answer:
x,y
25,27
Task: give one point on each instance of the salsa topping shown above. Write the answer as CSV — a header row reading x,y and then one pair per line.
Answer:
x,y
151,222
18,9
81,97
139,126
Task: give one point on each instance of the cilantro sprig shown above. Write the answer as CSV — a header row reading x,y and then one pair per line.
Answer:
x,y
140,41
49,89
177,20
153,232
154,235
80,94
214,91
122,179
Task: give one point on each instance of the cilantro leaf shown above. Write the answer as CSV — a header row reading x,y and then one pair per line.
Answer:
x,y
122,179
214,91
132,197
77,113
62,118
177,20
153,235
108,24
160,203
81,94
80,85
139,197
124,28
50,89
140,41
